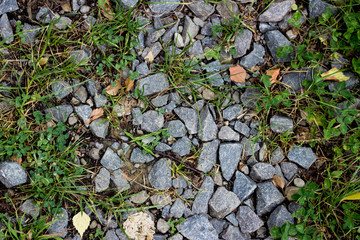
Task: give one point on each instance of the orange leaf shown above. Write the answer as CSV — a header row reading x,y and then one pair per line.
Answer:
x,y
16,159
129,84
335,74
96,113
273,73
278,181
106,9
66,6
237,74
113,88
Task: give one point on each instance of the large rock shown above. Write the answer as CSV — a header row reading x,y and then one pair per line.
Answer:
x,y
200,204
280,124
100,127
268,197
274,40
248,221
255,57
318,7
160,175
190,117
208,156
276,12
152,121
201,8
242,43
12,174
60,223
207,129
279,216
8,6
197,227
229,156
223,202
153,84
303,156
111,160
6,30
60,113
243,186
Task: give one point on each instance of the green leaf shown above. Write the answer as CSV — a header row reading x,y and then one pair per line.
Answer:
x,y
336,174
275,232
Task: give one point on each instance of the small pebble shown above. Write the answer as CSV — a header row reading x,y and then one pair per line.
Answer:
x,y
93,224
298,182
85,9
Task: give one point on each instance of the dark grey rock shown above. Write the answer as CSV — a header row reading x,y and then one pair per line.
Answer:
x,y
227,10
208,155
229,156
243,186
170,107
293,207
137,116
232,219
280,124
250,147
279,217
339,61
8,6
190,117
250,97
289,169
12,174
276,12
233,233
227,134
6,30
218,224
207,31
168,35
153,84
262,171
100,100
264,27
248,220
29,33
207,129
161,7
349,84
318,7
182,146
28,207
93,87
61,89
60,113
232,112
137,156
176,128
303,156
162,147
160,175
102,180
294,80
160,101
276,156
143,69
111,160
80,56
274,40
100,127
152,121
201,9
120,182
268,197
178,208
223,202
197,227
255,57
242,128
200,204
60,223
242,43
84,112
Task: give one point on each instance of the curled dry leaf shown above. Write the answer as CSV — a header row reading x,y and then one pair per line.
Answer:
x,y
289,191
105,6
139,226
237,74
113,88
241,165
16,159
335,74
129,84
96,113
273,73
66,6
149,57
278,181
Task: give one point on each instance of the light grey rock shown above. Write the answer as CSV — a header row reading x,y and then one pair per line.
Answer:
x,y
206,31
90,21
179,41
248,220
137,156
190,30
233,233
262,171
318,7
84,112
190,117
255,57
140,197
6,30
250,147
242,128
182,146
223,202
29,33
161,199
160,175
243,186
218,224
161,7
242,43
276,156
177,236
111,235
264,27
152,121
276,12
232,219
8,6
228,10
102,180
137,116
303,156
129,3
298,182
289,169
162,225
81,94
229,156
93,87
60,223
176,128
197,227
279,217
111,160
232,112
162,147
196,50
200,204
227,134
63,22
250,97
280,124
28,207
214,79
178,208
100,100
100,127
80,56
153,84
76,4
207,128
60,113
160,101
120,182
339,61
268,197
208,156
201,9
274,40
61,89
349,84
179,182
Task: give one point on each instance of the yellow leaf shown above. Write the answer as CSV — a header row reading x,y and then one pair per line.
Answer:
x,y
66,6
149,57
81,222
43,61
334,74
354,196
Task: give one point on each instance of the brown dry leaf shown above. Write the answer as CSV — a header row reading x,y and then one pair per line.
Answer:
x,y
66,6
335,75
16,159
43,61
149,57
240,166
128,104
129,84
289,191
113,88
96,113
237,74
273,73
278,181
106,9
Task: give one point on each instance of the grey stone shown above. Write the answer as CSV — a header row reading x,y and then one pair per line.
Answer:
x,y
63,22
153,84
120,182
29,33
289,169
93,87
100,127
255,57
81,94
61,89
232,219
264,27
190,30
84,112
318,7
137,116
179,41
227,134
154,35
60,113
129,3
60,223
294,80
176,128
162,147
207,31
279,217
268,197
177,209
276,156
298,182
196,50
349,84
250,97
160,101
200,204
250,147
170,107
229,156
232,112
152,121
179,182
161,7
233,233
168,35
293,207
248,221
28,207
201,9
227,10
190,117
6,30
223,202
242,43
280,124
100,100
242,128
338,61
214,79
243,186
8,6
303,156
207,128
182,146
274,40
161,199
160,175
197,227
111,235
102,180
262,171
137,156
90,21
162,225
140,197
177,236
276,12
218,224
80,56
208,156
76,4
111,160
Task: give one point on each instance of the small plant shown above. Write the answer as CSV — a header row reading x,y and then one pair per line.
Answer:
x,y
173,223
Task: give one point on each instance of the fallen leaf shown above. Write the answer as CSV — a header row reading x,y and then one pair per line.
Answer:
x,y
113,88
273,73
149,57
129,84
334,74
289,191
16,159
106,9
278,181
81,222
96,113
66,6
240,166
237,74
43,61
354,196
139,226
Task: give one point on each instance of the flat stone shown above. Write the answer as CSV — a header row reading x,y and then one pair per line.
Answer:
x,y
276,156
218,224
197,227
111,235
90,21
264,27
318,7
153,84
182,146
351,83
303,156
177,236
81,94
289,169
250,97
190,117
84,112
208,129
28,207
201,9
223,202
274,40
268,197
120,181
12,174
100,127
242,128
102,180
140,197
60,223
29,33
6,30
60,113
160,7
111,160
280,124
179,182
262,171
276,12
176,128
208,156
242,43
80,56
200,204
161,100
248,220
255,57
178,208
160,175
232,112
152,121
190,30
243,186
229,156
179,41
162,225
137,156
279,217
161,199
250,147
227,9
294,80
298,182
162,147
100,100
227,134
8,6
233,233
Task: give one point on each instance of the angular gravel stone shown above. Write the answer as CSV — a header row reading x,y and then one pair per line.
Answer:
x,y
12,174
120,182
81,94
61,89
176,128
111,235
160,175
6,30
208,156
100,100
207,128
229,156
200,204
8,6
161,199
190,117
28,207
152,121
60,113
111,160
137,116
233,233
153,84
248,220
60,223
100,127
223,202
227,10
162,225
243,186
182,146
170,33
84,112
162,147
289,169
275,39
281,124
250,148
318,7
242,43
140,197
190,30
201,9
276,12
179,182
227,134
137,156
303,156
197,227
276,156
249,97
232,112
294,80
262,171
218,224
268,197
196,50
255,57
242,128
93,87
161,100
79,56
29,33
279,216
160,7
102,180
232,219
129,3
178,208
63,22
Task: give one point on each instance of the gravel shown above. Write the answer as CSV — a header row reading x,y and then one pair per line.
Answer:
x,y
248,220
229,156
190,117
223,202
268,197
279,217
281,124
100,127
276,12
102,180
243,186
227,134
6,32
176,128
200,204
207,128
197,227
303,156
182,146
208,156
160,175
60,223
153,84
152,121
137,156
60,113
12,174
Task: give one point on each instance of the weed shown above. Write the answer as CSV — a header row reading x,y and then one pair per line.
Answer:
x,y
174,223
